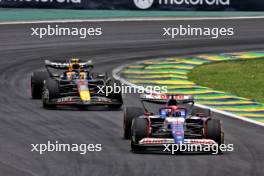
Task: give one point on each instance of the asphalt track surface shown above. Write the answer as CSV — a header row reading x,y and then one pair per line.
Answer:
x,y
23,121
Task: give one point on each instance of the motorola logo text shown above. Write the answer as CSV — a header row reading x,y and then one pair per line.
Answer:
x,y
146,4
195,2
143,4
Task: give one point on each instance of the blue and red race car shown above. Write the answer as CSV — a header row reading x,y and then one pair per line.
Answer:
x,y
178,122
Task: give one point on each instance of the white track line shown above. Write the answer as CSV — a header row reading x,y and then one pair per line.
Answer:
x,y
124,81
131,19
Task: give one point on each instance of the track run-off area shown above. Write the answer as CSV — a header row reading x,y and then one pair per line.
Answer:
x,y
173,72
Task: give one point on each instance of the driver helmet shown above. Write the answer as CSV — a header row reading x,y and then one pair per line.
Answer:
x,y
74,65
172,102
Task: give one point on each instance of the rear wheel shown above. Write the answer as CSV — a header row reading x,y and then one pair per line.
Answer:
x,y
140,130
116,94
51,91
37,83
129,114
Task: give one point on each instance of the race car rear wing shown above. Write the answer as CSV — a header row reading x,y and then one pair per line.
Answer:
x,y
181,99
165,98
57,65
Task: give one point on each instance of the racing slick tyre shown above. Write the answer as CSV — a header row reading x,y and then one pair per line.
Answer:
x,y
51,91
214,132
115,95
129,114
37,83
140,130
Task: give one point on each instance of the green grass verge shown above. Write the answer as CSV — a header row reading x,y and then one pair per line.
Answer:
x,y
243,78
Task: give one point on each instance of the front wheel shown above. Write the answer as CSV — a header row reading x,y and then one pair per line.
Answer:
x,y
139,131
37,83
213,131
116,94
50,91
130,113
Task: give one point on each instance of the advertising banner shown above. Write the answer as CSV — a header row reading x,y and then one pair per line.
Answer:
x,y
227,5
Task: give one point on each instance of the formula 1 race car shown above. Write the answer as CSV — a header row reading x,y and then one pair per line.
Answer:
x,y
178,122
73,84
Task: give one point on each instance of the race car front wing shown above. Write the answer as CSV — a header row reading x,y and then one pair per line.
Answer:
x,y
74,100
152,142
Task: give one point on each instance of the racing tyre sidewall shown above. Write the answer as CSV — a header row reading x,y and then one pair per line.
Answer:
x,y
129,114
50,91
37,83
140,130
214,132
115,95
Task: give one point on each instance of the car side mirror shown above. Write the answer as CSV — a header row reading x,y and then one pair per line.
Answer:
x,y
56,75
101,76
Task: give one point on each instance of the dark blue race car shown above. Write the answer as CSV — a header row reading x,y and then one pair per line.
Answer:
x,y
177,122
